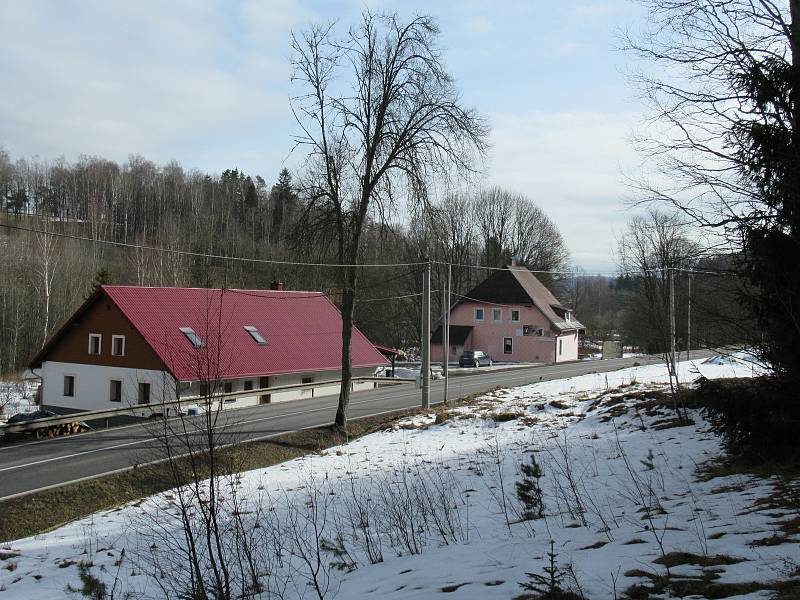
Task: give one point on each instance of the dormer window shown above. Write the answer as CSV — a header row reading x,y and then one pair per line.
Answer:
x,y
192,337
567,316
256,335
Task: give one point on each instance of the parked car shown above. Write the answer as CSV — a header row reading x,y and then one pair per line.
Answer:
x,y
474,358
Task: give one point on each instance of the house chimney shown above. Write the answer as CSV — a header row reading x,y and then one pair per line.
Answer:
x,y
276,286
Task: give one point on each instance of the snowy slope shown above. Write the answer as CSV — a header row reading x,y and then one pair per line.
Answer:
x,y
619,489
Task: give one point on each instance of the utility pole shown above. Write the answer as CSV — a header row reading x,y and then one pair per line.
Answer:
x,y
672,323
425,341
446,332
689,319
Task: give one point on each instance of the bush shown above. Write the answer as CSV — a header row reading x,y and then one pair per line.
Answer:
x,y
758,418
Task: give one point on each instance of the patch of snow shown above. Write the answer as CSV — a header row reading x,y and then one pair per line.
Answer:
x,y
17,397
619,485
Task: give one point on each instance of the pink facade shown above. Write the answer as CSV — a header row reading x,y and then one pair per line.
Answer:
x,y
513,332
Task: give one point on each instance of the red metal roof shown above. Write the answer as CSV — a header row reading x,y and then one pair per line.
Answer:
x,y
303,331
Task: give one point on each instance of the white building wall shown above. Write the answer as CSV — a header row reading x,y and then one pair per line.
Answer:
x,y
569,347
93,386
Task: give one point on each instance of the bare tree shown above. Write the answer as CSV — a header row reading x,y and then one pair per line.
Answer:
x,y
723,79
650,251
378,114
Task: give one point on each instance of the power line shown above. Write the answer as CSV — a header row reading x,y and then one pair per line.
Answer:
x,y
339,265
202,254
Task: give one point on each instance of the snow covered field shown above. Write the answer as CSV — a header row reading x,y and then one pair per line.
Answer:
x,y
432,504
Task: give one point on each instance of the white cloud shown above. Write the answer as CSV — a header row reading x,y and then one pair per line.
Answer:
x,y
155,78
571,164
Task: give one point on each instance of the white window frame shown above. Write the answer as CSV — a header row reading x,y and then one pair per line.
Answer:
x,y
110,399
499,313
114,338
504,345
511,315
63,390
483,314
99,337
567,316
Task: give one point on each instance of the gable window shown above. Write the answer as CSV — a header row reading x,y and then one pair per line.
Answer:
x,y
115,391
69,385
508,345
192,337
117,345
144,393
95,343
515,315
497,314
479,314
256,335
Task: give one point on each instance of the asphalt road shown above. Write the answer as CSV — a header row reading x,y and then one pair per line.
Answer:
x,y
37,465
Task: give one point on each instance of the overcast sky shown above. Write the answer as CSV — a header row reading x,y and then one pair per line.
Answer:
x,y
207,83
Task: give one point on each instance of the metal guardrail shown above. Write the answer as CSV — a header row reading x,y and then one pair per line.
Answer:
x,y
154,408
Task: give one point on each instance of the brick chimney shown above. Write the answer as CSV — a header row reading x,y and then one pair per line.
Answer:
x,y
276,286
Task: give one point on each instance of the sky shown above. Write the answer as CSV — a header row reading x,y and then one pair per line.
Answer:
x,y
208,84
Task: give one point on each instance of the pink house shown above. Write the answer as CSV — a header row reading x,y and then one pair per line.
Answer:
x,y
512,317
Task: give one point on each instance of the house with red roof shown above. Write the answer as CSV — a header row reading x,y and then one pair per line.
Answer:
x,y
131,345
513,317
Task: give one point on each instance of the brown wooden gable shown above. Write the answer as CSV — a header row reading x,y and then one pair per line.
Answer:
x,y
99,315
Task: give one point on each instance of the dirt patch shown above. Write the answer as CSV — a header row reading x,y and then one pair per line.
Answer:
x,y
674,559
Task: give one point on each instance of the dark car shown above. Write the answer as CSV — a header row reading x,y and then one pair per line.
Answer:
x,y
474,358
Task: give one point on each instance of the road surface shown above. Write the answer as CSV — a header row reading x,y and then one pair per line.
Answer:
x,y
36,465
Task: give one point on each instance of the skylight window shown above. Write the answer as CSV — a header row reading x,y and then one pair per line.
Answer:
x,y
256,335
192,337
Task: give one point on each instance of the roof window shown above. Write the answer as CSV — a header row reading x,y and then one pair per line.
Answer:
x,y
192,337
256,335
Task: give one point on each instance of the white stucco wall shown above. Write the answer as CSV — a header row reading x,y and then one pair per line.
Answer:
x,y
93,386
569,347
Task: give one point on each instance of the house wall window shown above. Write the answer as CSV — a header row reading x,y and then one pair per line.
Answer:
x,y
227,387
263,382
248,385
497,314
508,345
95,343
69,385
514,315
308,380
144,393
479,314
560,346
568,316
115,391
117,345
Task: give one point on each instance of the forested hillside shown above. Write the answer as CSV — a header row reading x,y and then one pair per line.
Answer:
x,y
68,226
